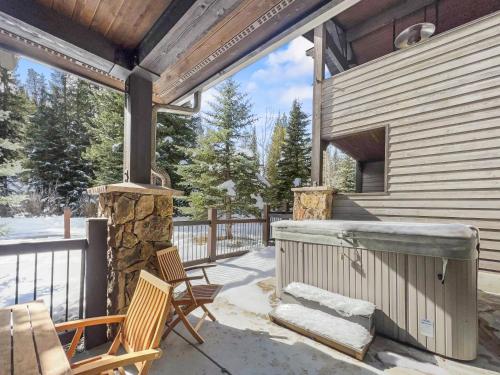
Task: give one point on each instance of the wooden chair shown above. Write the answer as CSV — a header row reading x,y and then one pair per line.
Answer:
x,y
139,332
190,299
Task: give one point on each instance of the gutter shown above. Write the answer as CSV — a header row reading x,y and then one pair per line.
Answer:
x,y
156,170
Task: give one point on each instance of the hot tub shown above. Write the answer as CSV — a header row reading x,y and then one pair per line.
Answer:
x,y
421,277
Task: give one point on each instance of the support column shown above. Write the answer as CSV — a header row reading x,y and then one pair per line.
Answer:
x,y
319,76
137,131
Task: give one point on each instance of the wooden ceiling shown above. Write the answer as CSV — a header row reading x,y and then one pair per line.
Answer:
x,y
124,22
180,44
363,146
184,45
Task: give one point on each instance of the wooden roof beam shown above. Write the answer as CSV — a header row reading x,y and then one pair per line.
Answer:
x,y
36,23
334,58
182,25
301,27
386,17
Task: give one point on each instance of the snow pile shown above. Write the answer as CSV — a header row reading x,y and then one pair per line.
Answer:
x,y
263,180
323,324
259,201
345,306
397,360
229,186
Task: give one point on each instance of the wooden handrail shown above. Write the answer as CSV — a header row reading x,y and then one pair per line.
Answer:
x,y
16,247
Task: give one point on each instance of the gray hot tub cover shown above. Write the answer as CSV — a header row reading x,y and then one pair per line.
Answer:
x,y
453,241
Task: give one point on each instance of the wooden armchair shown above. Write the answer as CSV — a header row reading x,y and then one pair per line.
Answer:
x,y
139,333
190,299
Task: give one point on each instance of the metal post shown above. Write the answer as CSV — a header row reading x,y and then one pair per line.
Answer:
x,y
212,234
67,222
266,225
96,280
137,131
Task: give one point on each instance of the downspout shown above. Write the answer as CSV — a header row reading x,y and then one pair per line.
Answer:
x,y
156,170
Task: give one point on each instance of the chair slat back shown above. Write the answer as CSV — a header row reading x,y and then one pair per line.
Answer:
x,y
146,314
171,265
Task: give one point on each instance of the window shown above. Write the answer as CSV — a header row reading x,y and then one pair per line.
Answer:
x,y
357,162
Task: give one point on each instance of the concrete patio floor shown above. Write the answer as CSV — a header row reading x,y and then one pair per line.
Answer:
x,y
244,342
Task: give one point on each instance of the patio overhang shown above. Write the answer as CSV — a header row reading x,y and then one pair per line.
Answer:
x,y
181,45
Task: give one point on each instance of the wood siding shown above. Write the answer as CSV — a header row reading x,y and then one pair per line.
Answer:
x,y
372,176
405,289
441,103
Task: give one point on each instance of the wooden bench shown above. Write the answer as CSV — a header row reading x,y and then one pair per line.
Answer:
x,y
29,344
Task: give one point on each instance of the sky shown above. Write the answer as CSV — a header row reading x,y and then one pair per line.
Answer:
x,y
272,82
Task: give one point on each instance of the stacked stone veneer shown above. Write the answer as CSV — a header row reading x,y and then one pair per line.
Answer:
x,y
313,203
138,225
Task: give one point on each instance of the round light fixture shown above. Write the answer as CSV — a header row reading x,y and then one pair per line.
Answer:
x,y
414,34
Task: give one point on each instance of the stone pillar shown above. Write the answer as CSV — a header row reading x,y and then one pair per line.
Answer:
x,y
313,203
139,223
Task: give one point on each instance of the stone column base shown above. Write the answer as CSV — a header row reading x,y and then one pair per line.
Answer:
x,y
313,203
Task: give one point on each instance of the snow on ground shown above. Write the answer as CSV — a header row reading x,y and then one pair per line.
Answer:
x,y
40,227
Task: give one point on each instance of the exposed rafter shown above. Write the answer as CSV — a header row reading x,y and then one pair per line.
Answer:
x,y
178,29
386,17
335,50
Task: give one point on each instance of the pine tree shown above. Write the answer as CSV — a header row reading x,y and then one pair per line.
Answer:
x,y
345,174
223,172
294,165
14,112
58,138
105,152
253,149
174,135
273,156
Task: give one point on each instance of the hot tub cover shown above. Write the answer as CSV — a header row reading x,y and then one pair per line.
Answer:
x,y
453,241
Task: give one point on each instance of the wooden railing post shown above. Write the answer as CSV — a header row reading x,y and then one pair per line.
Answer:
x,y
67,222
266,225
212,234
96,280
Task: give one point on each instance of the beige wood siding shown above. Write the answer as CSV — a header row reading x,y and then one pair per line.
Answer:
x,y
405,289
441,103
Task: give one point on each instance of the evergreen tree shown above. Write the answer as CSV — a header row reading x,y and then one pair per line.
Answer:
x,y
253,149
223,172
174,135
58,138
294,165
105,152
14,112
273,156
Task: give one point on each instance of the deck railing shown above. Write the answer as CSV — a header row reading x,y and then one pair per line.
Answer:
x,y
42,270
70,275
216,238
55,272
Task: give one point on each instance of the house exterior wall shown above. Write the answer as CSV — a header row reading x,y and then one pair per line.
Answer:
x,y
441,103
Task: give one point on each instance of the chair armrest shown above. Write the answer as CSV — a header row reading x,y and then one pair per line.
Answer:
x,y
207,265
185,279
74,324
111,362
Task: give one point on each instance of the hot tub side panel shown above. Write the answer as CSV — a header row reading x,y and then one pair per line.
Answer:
x,y
413,305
